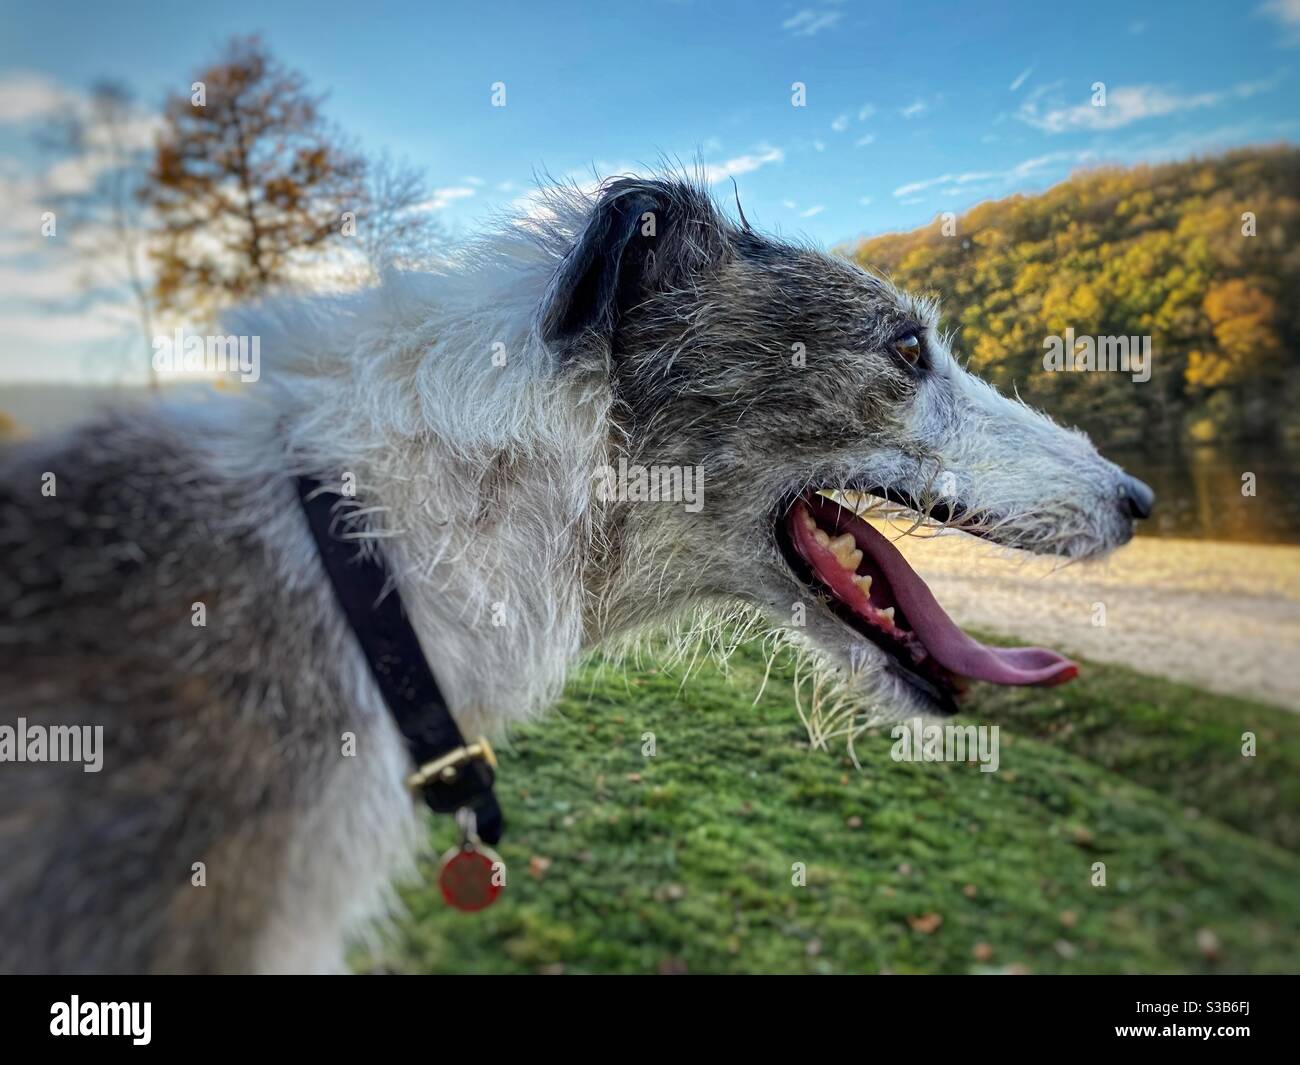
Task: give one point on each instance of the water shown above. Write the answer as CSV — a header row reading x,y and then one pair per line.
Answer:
x,y
1199,491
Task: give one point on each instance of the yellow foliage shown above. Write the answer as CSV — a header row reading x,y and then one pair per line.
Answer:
x,y
1159,251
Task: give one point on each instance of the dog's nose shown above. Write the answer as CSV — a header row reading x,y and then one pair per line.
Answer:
x,y
1137,496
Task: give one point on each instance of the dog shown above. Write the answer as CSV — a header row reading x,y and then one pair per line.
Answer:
x,y
159,581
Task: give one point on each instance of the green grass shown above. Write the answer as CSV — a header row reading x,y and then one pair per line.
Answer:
x,y
682,861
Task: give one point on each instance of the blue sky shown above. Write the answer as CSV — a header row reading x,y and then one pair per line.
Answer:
x,y
912,108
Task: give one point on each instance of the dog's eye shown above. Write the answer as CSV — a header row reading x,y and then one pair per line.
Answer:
x,y
909,347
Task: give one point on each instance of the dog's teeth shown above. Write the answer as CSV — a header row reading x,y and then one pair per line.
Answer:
x,y
809,522
841,546
822,538
888,615
864,585
845,550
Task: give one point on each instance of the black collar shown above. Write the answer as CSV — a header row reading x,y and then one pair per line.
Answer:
x,y
451,774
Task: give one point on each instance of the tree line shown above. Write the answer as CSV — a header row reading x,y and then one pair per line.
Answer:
x,y
1201,256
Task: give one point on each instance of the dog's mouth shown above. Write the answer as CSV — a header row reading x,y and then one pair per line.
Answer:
x,y
870,587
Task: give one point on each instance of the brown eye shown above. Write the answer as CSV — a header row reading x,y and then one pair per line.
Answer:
x,y
909,347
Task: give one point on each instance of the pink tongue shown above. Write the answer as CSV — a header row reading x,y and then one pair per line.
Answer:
x,y
950,646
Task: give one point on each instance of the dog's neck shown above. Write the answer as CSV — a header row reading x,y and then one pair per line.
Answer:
x,y
471,457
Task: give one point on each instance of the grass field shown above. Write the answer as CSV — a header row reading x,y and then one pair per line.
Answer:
x,y
682,862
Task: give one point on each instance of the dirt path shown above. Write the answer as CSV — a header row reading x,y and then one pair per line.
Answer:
x,y
1221,616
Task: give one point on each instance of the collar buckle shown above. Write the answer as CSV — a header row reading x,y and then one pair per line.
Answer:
x,y
446,769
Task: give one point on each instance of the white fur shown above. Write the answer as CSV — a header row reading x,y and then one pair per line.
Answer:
x,y
398,387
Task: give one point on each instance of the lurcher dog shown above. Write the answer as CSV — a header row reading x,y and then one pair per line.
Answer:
x,y
481,413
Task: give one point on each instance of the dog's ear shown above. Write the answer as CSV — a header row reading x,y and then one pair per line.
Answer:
x,y
602,271
636,241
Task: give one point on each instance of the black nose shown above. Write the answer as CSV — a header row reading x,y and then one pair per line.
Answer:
x,y
1138,496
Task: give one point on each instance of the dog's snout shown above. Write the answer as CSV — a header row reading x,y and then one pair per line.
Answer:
x,y
1137,496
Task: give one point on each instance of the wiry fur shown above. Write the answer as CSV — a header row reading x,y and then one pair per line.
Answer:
x,y
475,477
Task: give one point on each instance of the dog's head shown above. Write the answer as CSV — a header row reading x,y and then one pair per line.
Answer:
x,y
751,376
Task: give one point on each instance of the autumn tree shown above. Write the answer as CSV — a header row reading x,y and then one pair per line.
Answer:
x,y
247,182
1244,321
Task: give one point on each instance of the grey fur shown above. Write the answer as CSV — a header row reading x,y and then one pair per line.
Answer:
x,y
223,743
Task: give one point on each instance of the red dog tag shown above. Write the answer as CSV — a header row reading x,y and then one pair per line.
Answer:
x,y
471,877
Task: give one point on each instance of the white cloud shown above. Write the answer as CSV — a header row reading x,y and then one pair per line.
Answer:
x,y
15,241
532,204
1287,14
72,177
864,140
58,329
808,22
1131,103
865,201
913,187
812,212
26,97
477,182
1156,148
840,124
914,109
742,164
866,111
57,279
819,146
1039,91
31,98
1021,78
445,197
979,177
